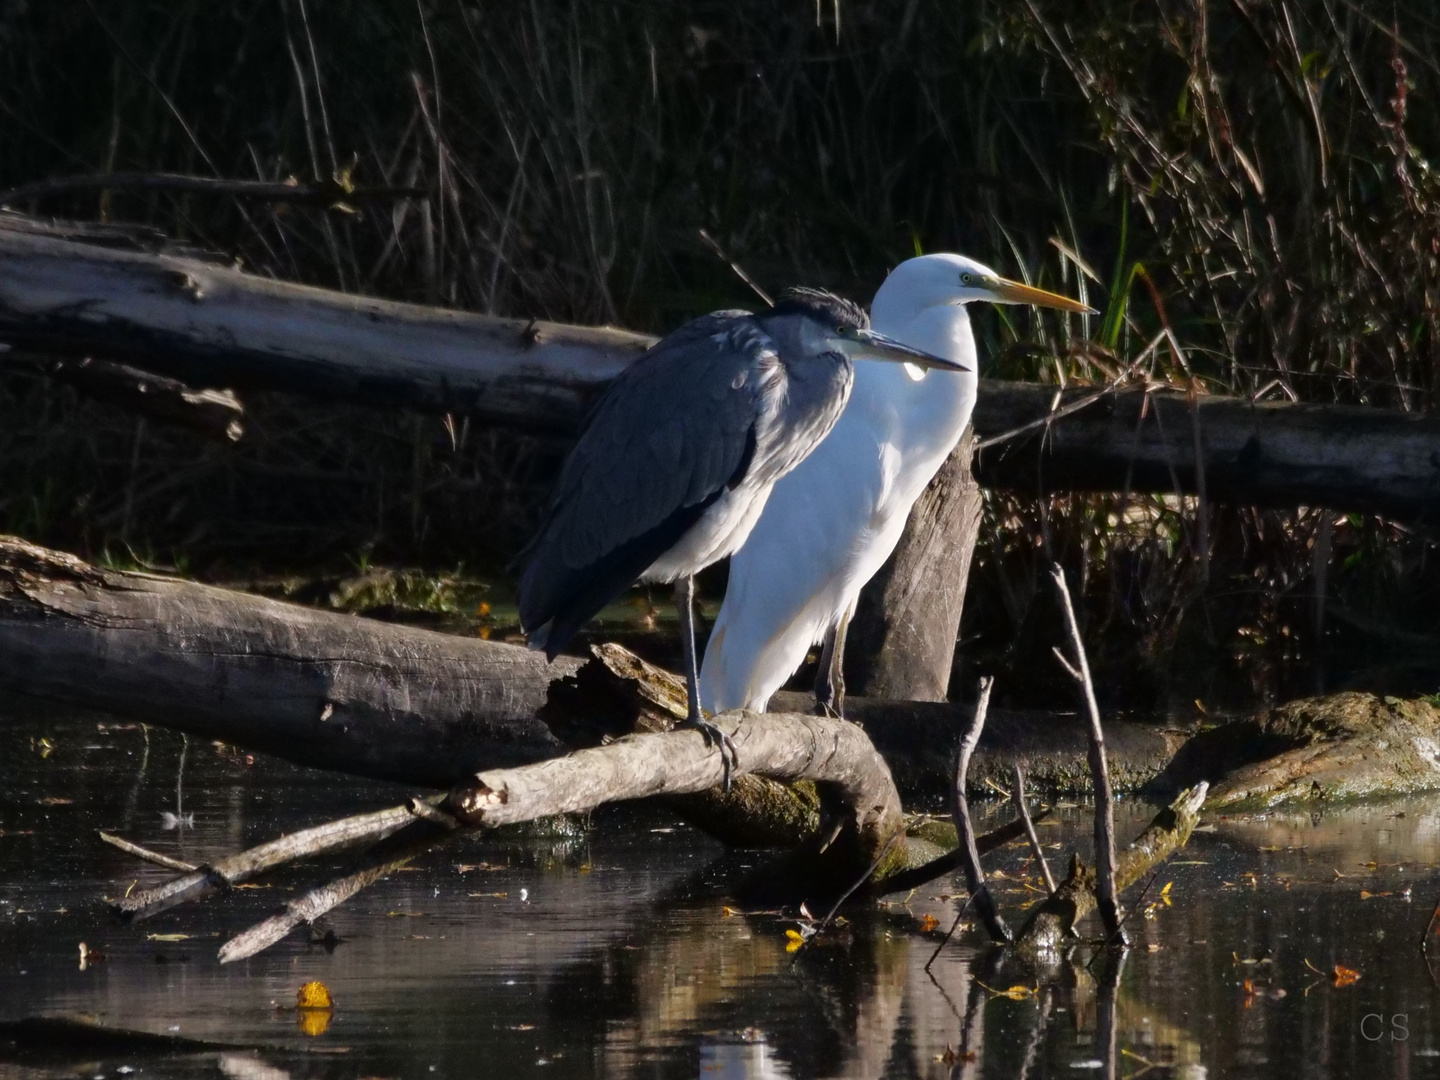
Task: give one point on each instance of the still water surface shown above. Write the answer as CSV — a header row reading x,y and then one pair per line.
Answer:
x,y
610,952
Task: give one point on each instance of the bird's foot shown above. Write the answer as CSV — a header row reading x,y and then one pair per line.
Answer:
x,y
714,736
829,710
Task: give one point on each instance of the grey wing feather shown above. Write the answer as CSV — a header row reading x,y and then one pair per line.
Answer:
x,y
669,433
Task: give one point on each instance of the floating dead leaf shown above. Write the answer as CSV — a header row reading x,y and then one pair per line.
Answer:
x,y
495,895
1345,976
405,914
951,1056
1366,894
521,1027
55,800
314,995
251,885
169,937
1018,992
793,940
1249,988
928,922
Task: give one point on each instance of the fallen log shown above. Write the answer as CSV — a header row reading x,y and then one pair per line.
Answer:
x,y
400,703
216,414
1276,454
210,325
1348,745
319,688
214,326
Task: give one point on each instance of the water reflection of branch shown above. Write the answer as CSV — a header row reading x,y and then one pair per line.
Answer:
x,y
1425,945
1037,1034
1106,1033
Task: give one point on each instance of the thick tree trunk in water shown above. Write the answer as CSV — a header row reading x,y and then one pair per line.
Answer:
x,y
143,302
902,640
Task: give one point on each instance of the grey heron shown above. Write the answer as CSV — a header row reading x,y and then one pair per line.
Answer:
x,y
835,519
679,455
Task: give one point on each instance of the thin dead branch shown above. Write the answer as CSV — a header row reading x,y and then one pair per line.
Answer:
x,y
324,193
145,853
1104,799
960,808
1017,796
234,869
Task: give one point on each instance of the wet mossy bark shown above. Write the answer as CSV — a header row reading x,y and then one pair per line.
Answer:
x,y
1342,746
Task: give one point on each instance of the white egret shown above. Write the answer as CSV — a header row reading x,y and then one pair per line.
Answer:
x,y
680,453
833,521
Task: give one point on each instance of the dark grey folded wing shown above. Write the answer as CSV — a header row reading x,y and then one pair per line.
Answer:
x,y
659,448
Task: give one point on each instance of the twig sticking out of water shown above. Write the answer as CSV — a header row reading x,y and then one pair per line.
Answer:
x,y
1100,774
145,853
234,869
960,808
1017,796
384,860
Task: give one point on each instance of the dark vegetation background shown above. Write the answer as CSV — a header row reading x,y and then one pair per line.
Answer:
x,y
1254,176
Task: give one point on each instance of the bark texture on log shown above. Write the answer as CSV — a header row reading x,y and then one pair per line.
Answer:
x,y
902,640
788,747
211,326
214,326
1261,454
335,691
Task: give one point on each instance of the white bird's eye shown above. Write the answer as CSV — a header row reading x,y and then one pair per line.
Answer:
x,y
966,278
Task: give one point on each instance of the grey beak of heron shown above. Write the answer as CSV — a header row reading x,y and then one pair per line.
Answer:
x,y
868,345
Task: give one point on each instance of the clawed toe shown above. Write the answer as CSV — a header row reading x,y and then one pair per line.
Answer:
x,y
717,738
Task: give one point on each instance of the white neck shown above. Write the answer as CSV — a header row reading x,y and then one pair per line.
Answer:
x,y
929,414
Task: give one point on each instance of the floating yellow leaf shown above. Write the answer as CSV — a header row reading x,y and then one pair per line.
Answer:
x,y
1345,976
928,922
1014,993
314,995
793,940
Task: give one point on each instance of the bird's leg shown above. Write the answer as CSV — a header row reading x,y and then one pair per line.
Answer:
x,y
685,606
830,679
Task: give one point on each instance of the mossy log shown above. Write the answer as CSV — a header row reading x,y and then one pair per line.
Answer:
x,y
1341,746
